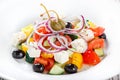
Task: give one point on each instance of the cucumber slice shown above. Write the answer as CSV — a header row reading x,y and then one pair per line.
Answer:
x,y
99,52
60,65
56,70
46,43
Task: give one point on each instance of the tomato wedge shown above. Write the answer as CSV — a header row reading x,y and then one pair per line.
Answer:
x,y
96,43
41,60
90,57
98,31
68,38
50,64
57,43
47,62
41,29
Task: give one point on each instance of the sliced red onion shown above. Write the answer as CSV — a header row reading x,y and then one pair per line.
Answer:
x,y
50,38
38,26
42,48
62,40
78,29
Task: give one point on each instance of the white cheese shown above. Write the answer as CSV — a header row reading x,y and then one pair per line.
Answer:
x,y
87,34
80,45
34,44
61,57
18,38
33,50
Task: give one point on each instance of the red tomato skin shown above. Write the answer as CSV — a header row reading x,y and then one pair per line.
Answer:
x,y
41,61
96,43
68,38
98,31
47,62
57,43
90,57
43,30
50,64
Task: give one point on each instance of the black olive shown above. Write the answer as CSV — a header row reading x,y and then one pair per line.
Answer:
x,y
70,68
103,36
38,68
68,25
18,54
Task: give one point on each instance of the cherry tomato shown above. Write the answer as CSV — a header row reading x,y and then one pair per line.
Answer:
x,y
96,43
41,29
50,64
90,57
98,31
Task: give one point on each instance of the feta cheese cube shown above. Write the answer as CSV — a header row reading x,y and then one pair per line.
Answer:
x,y
18,38
80,45
61,57
87,34
34,44
33,52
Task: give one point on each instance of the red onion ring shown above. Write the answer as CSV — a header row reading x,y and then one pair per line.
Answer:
x,y
61,39
40,46
55,46
79,29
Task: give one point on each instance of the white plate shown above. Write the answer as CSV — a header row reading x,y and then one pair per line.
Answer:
x,y
19,13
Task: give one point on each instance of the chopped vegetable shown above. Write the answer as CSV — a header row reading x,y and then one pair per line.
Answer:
x,y
50,64
46,55
96,43
24,47
41,61
29,59
73,36
28,29
98,31
99,52
90,58
77,59
56,70
91,24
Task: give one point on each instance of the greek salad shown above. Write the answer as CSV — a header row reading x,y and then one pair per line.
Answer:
x,y
55,46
